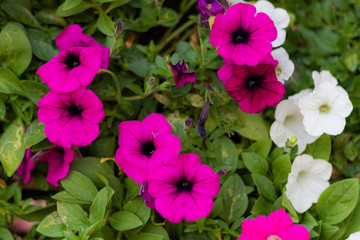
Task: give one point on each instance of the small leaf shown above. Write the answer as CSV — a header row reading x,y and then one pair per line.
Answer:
x,y
41,44
124,220
338,201
5,234
321,148
262,147
265,186
98,207
281,167
255,163
79,186
12,148
138,207
52,226
72,215
9,83
19,11
35,134
15,49
105,25
69,4
60,11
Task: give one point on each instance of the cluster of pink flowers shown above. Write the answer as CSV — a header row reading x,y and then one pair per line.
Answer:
x,y
71,113
243,38
178,187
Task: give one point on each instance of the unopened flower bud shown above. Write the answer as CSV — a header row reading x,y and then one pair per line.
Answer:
x,y
188,123
151,80
293,140
222,172
119,28
203,118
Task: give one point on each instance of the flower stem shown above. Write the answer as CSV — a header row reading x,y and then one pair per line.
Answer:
x,y
139,96
176,33
116,81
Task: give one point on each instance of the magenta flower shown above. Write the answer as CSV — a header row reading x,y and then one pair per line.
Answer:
x,y
277,226
71,118
208,8
26,166
72,36
144,193
181,74
184,189
58,159
242,36
253,88
71,69
145,145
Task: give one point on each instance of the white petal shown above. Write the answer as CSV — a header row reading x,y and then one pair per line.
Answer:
x,y
354,236
265,7
280,39
302,94
285,64
323,76
321,169
278,134
281,18
332,124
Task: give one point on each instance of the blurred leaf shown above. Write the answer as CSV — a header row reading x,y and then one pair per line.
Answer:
x,y
15,49
49,17
105,25
41,44
60,11
12,148
5,234
102,147
351,61
2,109
281,167
148,236
262,146
321,148
70,4
261,207
74,179
72,215
338,201
19,11
124,220
34,91
35,134
226,154
51,226
9,83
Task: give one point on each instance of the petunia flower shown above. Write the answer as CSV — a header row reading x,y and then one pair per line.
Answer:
x,y
71,118
72,36
58,159
144,193
354,236
243,36
253,88
325,109
286,67
184,189
279,16
208,8
26,166
277,226
145,145
181,74
323,76
307,180
289,123
71,69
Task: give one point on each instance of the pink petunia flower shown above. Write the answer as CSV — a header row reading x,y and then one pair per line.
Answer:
x,y
144,145
71,118
242,36
277,226
26,166
71,69
181,74
184,189
253,88
58,159
72,36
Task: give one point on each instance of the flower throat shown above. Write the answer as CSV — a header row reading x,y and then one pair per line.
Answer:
x,y
72,61
148,148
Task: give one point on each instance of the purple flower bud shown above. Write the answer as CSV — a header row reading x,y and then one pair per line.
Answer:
x,y
222,172
188,123
119,28
151,80
208,8
144,193
203,118
181,74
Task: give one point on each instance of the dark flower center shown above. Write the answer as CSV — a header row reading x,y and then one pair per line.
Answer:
x,y
184,186
72,61
240,36
75,110
148,148
253,81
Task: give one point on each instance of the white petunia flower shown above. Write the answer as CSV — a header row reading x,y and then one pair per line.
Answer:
x,y
289,123
286,67
307,180
325,109
279,16
354,236
323,76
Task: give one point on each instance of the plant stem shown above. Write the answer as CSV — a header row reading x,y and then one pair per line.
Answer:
x,y
139,96
176,33
116,81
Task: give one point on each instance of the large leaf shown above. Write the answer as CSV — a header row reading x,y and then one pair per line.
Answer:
x,y
19,11
35,133
105,25
72,215
75,10
226,154
321,148
338,201
15,49
41,44
52,226
9,83
255,163
124,220
12,148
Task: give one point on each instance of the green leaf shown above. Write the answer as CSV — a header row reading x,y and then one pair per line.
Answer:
x,y
19,11
12,148
41,44
35,134
138,207
281,167
9,83
255,163
79,186
98,207
33,90
72,215
149,228
67,197
15,49
338,201
226,154
351,61
102,147
2,109
70,4
105,25
235,200
124,220
148,236
265,186
75,10
5,234
51,226
329,232
262,147
321,148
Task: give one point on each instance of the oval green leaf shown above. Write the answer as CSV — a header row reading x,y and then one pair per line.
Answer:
x,y
124,220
